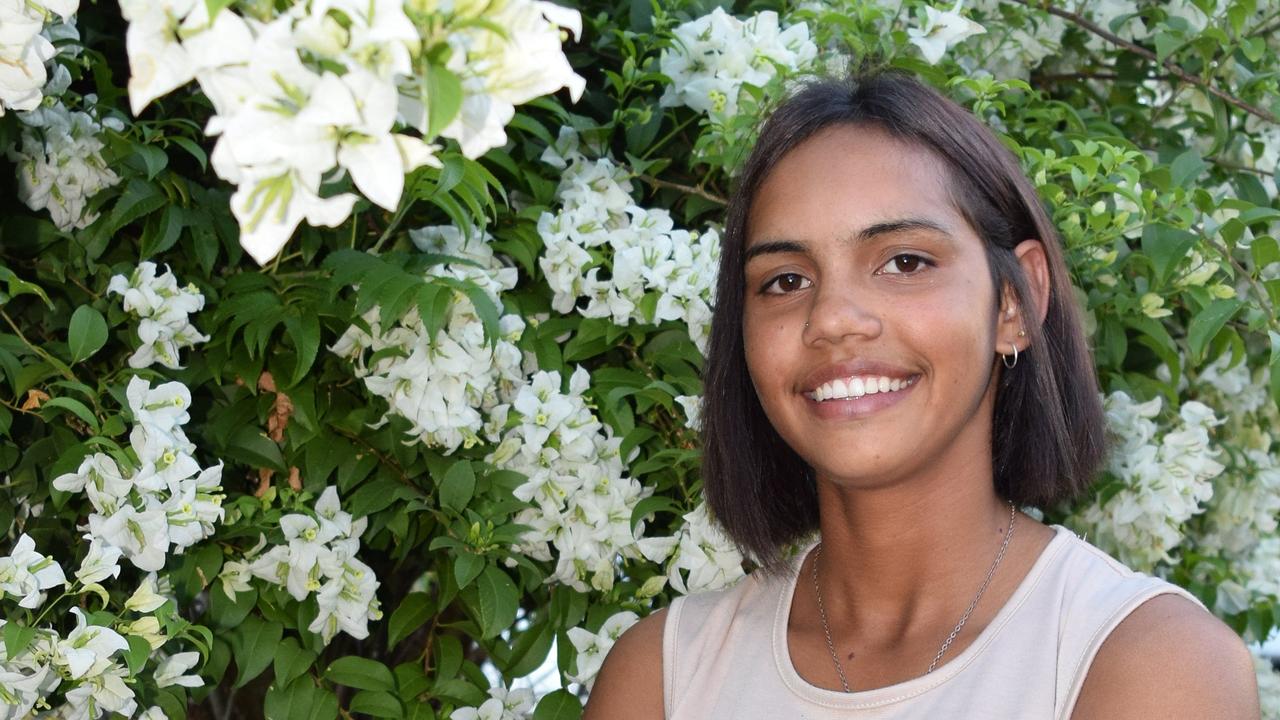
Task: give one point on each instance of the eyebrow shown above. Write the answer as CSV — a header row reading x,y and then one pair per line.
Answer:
x,y
888,227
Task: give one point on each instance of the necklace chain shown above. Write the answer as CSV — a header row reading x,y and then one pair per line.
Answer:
x,y
826,627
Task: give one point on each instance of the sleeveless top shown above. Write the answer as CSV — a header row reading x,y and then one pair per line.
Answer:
x,y
725,654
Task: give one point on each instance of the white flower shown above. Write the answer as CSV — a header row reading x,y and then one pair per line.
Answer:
x,y
158,63
165,327
101,562
235,578
941,30
170,670
60,165
714,56
26,574
502,704
142,535
692,405
86,651
592,647
146,598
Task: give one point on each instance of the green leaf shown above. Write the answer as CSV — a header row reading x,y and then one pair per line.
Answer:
x,y
255,646
360,673
1206,324
251,446
17,638
76,407
445,91
140,197
1166,246
376,704
300,700
191,147
495,602
304,332
136,656
466,566
1187,167
558,705
413,612
153,159
291,661
457,487
530,650
17,286
87,333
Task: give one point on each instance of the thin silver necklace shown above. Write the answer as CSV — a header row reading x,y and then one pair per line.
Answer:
x,y
826,627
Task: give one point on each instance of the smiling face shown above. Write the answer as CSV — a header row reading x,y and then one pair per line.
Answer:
x,y
855,233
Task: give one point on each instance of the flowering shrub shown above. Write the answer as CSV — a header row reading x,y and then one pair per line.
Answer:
x,y
350,351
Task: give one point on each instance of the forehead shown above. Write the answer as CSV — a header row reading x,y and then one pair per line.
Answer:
x,y
846,178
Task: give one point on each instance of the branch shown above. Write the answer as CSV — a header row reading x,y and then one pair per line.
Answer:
x,y
687,189
1144,52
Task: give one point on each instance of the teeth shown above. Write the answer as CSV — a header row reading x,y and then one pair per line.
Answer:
x,y
856,387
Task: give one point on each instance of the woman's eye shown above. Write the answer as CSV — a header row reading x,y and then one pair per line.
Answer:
x,y
786,283
904,264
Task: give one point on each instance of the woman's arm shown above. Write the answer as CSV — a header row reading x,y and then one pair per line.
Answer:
x,y
1170,659
629,686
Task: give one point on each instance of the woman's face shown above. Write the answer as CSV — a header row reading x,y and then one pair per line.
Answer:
x,y
869,316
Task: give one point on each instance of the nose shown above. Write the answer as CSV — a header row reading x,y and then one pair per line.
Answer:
x,y
839,312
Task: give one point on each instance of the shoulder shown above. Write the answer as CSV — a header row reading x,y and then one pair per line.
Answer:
x,y
1170,658
629,686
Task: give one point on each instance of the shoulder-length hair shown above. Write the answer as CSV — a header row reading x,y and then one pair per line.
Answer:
x,y
1048,432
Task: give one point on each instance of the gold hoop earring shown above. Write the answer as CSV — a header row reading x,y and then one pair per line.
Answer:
x,y
1005,358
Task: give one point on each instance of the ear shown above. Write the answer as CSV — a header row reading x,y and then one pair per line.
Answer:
x,y
1014,319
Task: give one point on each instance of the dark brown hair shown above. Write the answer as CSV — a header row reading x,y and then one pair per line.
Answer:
x,y
1048,434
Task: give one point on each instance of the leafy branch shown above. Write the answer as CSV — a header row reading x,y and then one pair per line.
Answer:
x,y
1141,51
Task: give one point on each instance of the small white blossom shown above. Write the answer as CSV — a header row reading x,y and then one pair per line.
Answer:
x,y
592,647
26,574
941,30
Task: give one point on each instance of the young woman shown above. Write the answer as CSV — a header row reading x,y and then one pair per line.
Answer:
x,y
897,366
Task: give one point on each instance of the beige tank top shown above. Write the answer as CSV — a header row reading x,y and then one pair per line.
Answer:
x,y
725,656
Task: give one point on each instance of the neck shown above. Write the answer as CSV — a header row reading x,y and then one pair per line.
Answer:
x,y
904,556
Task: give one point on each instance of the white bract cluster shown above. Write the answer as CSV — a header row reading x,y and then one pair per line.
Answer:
x,y
503,704
713,57
444,385
169,502
26,574
1024,41
319,559
939,30
653,271
25,48
592,647
581,499
699,558
324,87
164,309
1166,476
60,164
84,666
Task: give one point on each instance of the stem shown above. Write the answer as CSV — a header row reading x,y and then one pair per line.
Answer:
x,y
44,354
1149,55
1263,298
395,221
667,138
687,189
